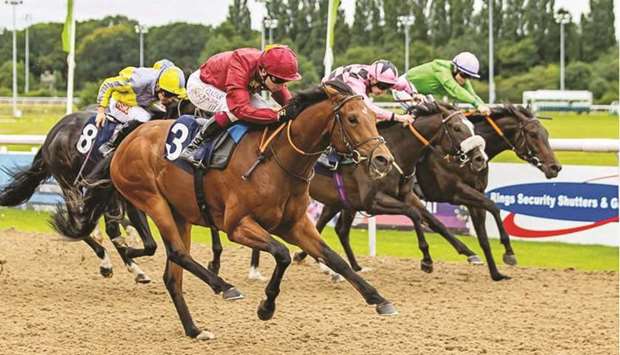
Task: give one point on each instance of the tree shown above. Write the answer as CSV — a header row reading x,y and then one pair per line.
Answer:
x,y
239,17
182,43
104,52
598,29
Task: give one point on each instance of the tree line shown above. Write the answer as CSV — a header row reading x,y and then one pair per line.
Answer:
x,y
526,50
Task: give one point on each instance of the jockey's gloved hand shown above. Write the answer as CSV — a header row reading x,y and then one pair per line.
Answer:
x,y
484,110
283,115
100,118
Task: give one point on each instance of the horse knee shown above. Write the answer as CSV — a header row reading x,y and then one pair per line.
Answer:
x,y
112,230
149,248
281,254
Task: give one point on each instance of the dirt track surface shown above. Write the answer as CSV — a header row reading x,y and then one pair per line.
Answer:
x,y
52,300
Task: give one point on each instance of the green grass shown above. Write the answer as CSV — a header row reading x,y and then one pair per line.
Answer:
x,y
39,120
399,244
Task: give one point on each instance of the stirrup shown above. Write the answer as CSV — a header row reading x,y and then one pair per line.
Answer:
x,y
106,149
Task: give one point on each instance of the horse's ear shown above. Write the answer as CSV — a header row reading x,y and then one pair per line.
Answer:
x,y
331,92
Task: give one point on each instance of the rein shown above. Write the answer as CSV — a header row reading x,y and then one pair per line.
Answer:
x,y
355,155
529,156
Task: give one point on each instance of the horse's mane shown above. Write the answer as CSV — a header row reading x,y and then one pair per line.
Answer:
x,y
306,98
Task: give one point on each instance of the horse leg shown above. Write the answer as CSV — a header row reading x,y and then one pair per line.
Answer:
x,y
438,227
305,235
251,234
112,228
327,213
141,224
478,219
105,268
343,230
178,257
254,273
509,255
386,204
216,248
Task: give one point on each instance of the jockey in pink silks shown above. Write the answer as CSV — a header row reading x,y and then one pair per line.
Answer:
x,y
374,79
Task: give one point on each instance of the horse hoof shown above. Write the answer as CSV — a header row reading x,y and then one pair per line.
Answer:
x,y
510,259
265,312
232,294
386,309
214,269
426,266
500,277
299,258
205,335
474,260
106,272
142,279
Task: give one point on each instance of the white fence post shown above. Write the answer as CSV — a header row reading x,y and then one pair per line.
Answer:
x,y
372,236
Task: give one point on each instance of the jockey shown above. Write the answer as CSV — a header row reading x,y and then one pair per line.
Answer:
x,y
126,97
449,78
374,79
228,85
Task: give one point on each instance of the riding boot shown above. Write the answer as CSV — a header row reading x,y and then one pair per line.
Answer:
x,y
118,136
209,129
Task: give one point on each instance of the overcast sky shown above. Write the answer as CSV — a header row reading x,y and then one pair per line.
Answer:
x,y
158,12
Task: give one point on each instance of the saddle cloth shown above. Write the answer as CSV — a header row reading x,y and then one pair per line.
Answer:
x,y
214,153
91,139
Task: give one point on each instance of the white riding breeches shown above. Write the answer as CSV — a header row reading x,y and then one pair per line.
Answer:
x,y
210,99
123,113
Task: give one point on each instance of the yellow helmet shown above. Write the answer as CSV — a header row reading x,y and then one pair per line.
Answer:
x,y
172,80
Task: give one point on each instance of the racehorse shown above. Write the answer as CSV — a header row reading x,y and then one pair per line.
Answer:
x,y
508,127
271,200
59,157
451,138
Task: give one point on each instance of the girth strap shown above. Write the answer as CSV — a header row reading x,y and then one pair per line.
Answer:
x,y
201,198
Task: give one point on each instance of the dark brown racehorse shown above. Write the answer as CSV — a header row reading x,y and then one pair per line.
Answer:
x,y
450,138
59,158
273,200
509,127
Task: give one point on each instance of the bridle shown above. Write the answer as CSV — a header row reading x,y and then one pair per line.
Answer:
x,y
352,148
518,147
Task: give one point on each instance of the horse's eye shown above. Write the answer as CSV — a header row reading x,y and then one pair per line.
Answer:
x,y
353,119
533,134
457,129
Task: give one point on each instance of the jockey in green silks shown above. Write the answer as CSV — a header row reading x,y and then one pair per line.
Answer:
x,y
441,78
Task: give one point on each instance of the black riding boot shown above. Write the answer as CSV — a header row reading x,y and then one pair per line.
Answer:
x,y
118,136
209,129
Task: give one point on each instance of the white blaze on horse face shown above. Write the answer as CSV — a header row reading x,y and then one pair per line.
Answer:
x,y
470,126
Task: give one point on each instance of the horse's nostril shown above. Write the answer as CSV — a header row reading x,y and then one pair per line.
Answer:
x,y
479,159
555,167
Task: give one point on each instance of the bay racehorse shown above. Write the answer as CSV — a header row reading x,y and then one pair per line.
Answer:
x,y
272,200
450,138
508,128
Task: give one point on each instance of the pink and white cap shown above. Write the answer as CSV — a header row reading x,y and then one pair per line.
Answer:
x,y
384,71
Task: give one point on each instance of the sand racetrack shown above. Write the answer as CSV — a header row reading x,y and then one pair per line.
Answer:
x,y
53,300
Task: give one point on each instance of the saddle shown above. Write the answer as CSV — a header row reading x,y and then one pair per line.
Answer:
x,y
214,152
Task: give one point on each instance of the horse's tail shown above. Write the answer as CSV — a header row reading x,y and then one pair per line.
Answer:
x,y
77,220
24,182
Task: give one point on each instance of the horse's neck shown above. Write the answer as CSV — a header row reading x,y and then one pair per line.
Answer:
x,y
407,148
306,134
495,144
